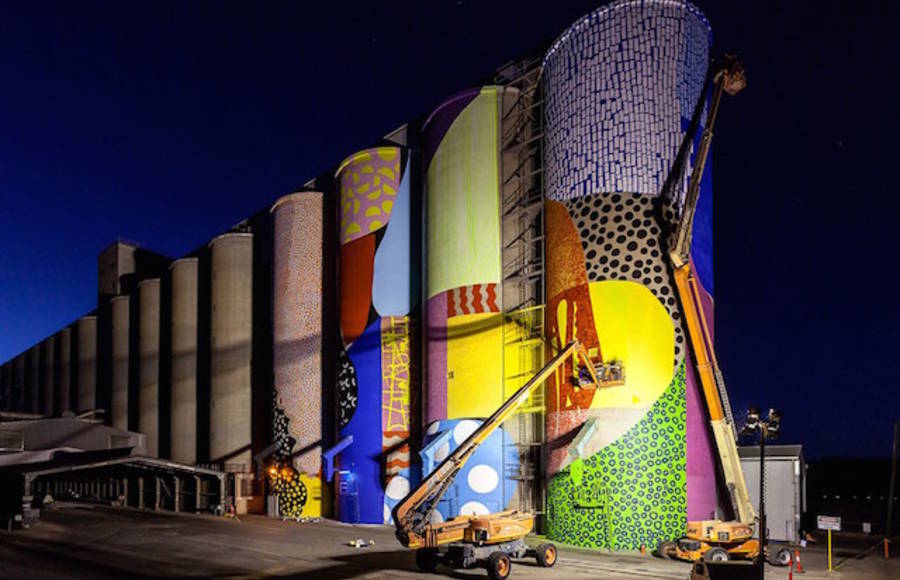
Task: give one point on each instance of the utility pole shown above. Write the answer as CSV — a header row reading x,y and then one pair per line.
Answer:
x,y
891,490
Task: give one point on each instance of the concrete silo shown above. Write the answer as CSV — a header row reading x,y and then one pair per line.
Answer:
x,y
120,310
64,388
379,279
620,88
18,383
231,334
86,333
464,291
184,273
33,380
297,299
48,375
148,362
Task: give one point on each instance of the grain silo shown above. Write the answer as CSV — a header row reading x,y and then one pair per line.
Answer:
x,y
64,388
184,273
33,380
620,88
86,336
18,383
379,281
120,342
297,299
48,375
231,333
148,362
463,290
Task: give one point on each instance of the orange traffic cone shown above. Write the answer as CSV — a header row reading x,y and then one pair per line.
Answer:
x,y
791,571
799,563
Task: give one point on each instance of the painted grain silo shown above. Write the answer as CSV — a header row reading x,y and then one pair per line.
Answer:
x,y
120,307
231,333
48,375
464,322
148,363
86,336
378,365
620,88
33,380
297,299
64,388
184,273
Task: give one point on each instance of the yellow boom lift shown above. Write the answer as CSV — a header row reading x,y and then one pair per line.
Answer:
x,y
489,541
712,540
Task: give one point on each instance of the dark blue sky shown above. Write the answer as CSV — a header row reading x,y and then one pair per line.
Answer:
x,y
167,123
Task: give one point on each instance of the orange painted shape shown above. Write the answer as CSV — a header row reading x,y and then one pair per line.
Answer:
x,y
357,269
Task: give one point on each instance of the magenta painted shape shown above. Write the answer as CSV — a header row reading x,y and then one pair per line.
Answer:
x,y
701,467
436,379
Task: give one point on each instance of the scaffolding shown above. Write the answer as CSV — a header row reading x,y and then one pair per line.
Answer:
x,y
522,225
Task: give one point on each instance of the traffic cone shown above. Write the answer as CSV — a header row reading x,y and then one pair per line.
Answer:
x,y
799,563
643,549
791,571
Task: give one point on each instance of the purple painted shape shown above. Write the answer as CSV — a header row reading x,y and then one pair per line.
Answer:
x,y
701,466
438,123
436,379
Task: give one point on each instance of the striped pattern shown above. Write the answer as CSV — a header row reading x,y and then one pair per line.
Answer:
x,y
473,299
397,447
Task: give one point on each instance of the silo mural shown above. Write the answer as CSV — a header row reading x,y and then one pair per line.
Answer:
x,y
119,344
464,326
231,334
184,360
86,329
620,88
297,347
48,373
148,363
64,344
378,292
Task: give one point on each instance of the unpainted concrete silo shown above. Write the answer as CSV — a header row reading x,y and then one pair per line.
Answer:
x,y
231,333
148,362
48,375
18,383
184,273
297,348
33,380
120,336
86,329
5,384
64,388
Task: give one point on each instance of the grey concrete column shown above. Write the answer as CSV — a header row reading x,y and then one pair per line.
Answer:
x,y
120,307
231,333
48,375
64,344
148,361
184,359
87,363
33,380
19,383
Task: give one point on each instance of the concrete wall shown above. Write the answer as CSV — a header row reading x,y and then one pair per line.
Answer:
x,y
48,375
64,387
184,273
231,334
119,344
4,387
148,362
87,363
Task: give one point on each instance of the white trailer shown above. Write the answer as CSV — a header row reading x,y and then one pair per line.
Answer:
x,y
785,487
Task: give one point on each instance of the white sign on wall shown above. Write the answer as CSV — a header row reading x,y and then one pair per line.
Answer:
x,y
832,523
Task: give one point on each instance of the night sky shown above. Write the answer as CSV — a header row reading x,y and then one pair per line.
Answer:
x,y
168,123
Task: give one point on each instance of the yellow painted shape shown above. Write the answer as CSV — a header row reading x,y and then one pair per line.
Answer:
x,y
313,506
474,365
634,327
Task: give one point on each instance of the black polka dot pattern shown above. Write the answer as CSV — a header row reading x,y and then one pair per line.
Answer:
x,y
621,240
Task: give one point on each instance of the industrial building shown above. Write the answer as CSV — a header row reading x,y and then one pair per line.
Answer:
x,y
333,347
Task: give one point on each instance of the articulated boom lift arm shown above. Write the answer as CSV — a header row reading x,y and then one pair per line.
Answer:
x,y
412,515
729,79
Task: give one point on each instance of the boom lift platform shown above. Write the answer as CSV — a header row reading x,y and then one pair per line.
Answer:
x,y
489,541
713,540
